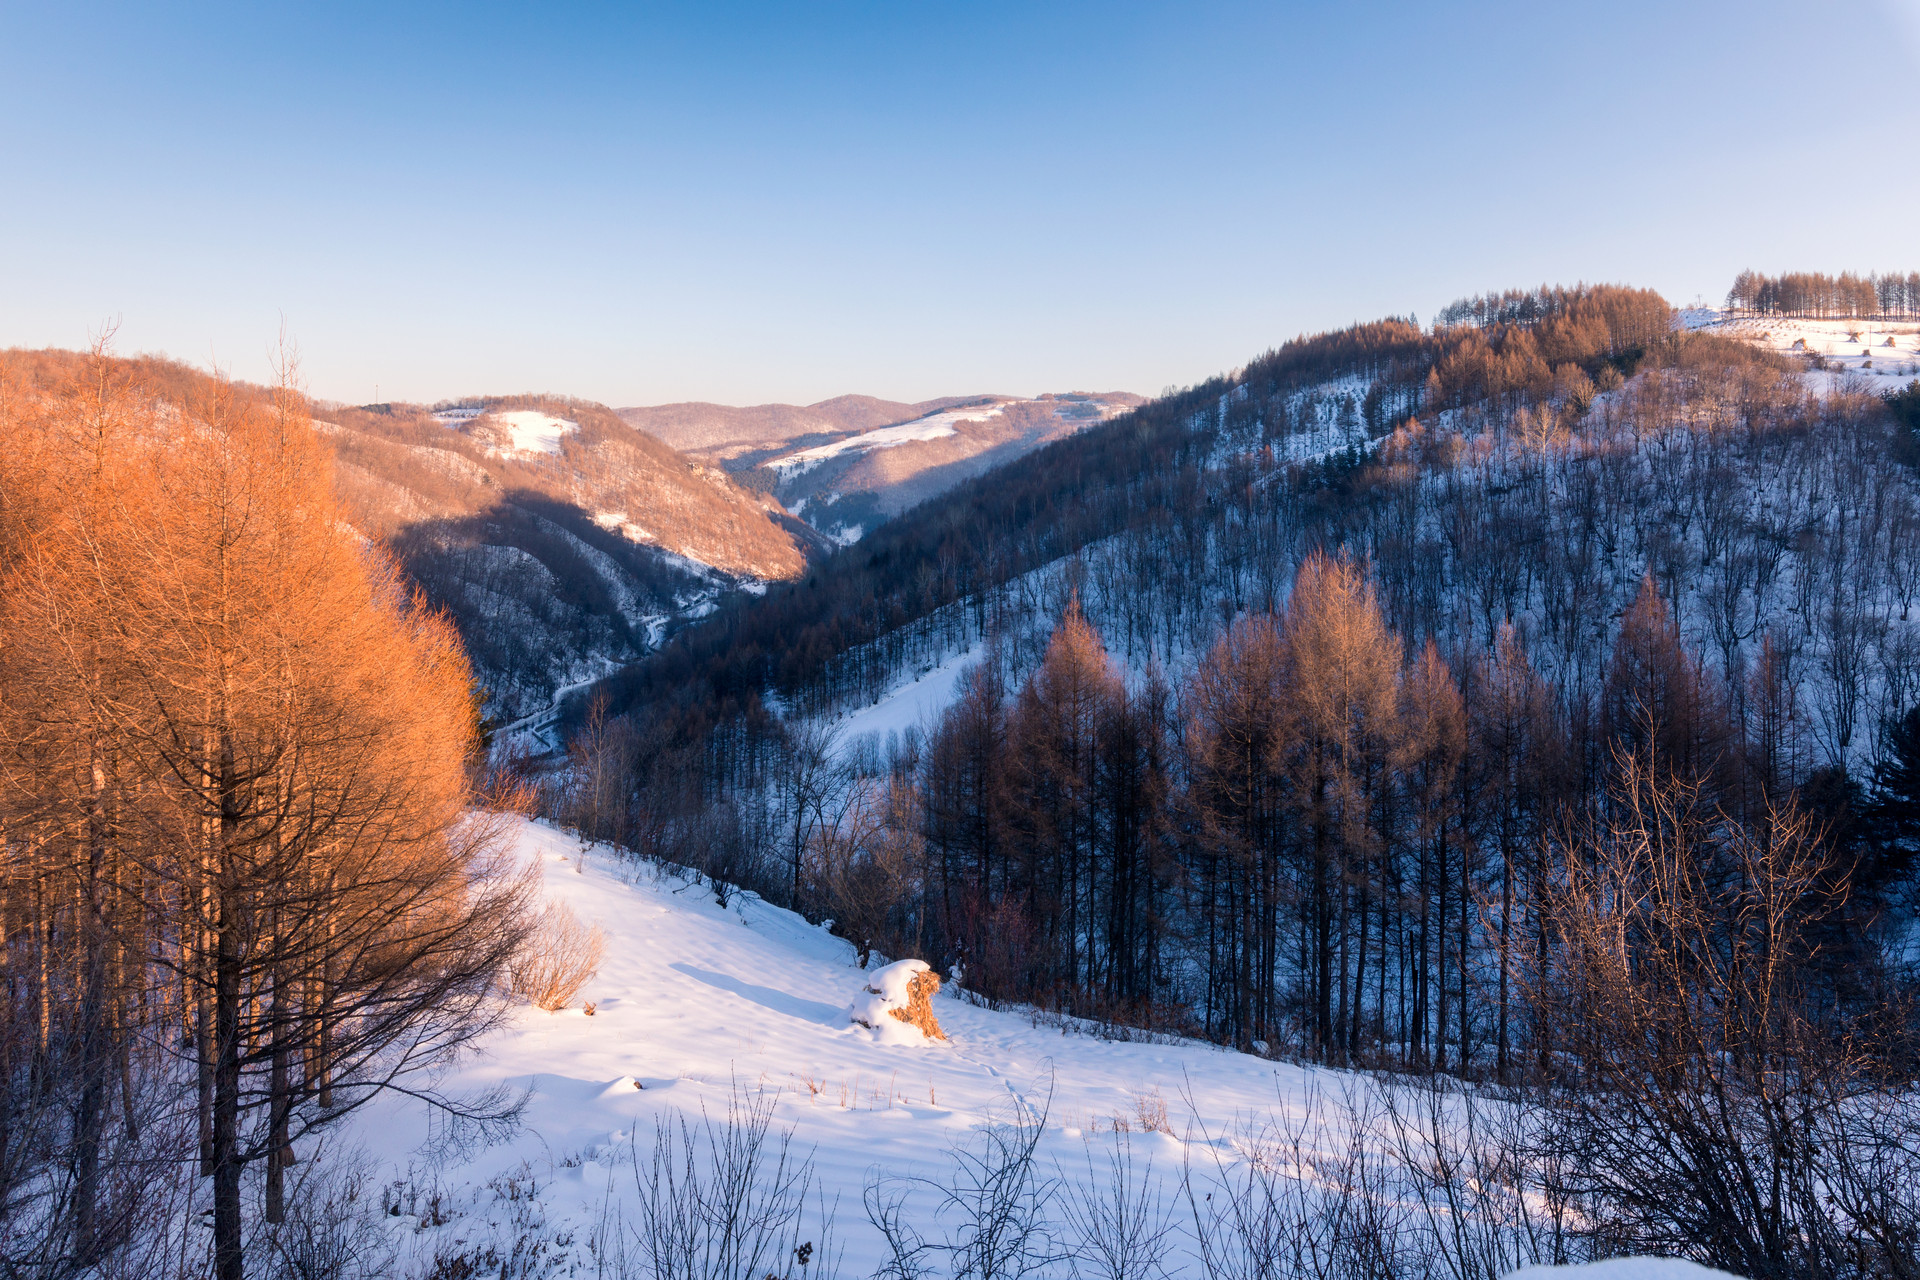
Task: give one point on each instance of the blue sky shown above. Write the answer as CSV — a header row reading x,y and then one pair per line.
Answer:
x,y
751,202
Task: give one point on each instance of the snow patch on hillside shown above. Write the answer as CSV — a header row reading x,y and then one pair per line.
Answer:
x,y
931,427
535,432
916,704
617,522
527,430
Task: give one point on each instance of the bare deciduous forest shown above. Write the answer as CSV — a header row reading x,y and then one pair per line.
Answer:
x,y
1846,296
1523,710
244,890
1531,699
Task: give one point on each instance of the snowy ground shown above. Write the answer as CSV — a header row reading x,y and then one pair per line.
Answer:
x,y
697,1006
1885,351
694,1000
916,704
535,432
526,430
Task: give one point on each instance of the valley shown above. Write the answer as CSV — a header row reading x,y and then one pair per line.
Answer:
x,y
847,465
568,542
959,642
1268,772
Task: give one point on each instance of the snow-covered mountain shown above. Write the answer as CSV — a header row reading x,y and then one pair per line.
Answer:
x,y
564,542
847,465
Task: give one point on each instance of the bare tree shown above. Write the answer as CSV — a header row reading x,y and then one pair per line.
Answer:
x,y
1709,1083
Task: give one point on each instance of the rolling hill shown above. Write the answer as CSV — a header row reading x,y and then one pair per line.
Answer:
x,y
849,464
564,542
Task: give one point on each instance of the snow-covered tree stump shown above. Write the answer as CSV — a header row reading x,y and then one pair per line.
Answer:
x,y
901,993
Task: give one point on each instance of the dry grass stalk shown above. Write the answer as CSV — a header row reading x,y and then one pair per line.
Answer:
x,y
1150,1111
559,957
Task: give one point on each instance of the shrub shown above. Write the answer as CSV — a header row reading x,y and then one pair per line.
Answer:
x,y
559,957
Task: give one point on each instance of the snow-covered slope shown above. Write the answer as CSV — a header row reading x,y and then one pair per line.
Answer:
x,y
695,1001
1884,352
934,426
701,1010
517,430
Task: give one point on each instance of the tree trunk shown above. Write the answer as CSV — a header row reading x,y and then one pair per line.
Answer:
x,y
228,1261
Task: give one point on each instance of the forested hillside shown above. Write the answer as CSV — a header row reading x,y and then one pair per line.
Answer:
x,y
848,464
1293,694
563,542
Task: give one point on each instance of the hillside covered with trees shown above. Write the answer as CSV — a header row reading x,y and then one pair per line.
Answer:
x,y
557,565
1290,694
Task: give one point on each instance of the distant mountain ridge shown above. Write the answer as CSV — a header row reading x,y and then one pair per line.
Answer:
x,y
698,426
849,464
563,542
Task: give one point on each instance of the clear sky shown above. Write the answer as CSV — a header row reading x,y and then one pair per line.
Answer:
x,y
753,202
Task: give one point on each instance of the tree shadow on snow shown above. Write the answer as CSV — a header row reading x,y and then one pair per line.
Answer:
x,y
827,1015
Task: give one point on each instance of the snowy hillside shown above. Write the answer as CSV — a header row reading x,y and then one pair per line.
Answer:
x,y
563,542
848,484
847,465
932,427
1886,353
705,1012
699,1008
695,1000
1697,505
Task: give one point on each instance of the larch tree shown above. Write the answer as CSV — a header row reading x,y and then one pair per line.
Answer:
x,y
965,803
1054,737
1659,703
1237,717
1344,691
246,745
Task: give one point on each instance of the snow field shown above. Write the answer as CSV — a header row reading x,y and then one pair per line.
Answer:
x,y
694,1001
1887,352
535,432
701,1011
529,430
916,703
